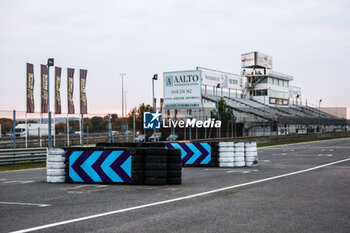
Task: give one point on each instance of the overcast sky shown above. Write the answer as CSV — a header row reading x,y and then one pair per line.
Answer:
x,y
307,39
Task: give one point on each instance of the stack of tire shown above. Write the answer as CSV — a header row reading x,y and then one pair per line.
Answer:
x,y
251,154
56,165
138,166
214,153
226,154
239,160
174,166
156,168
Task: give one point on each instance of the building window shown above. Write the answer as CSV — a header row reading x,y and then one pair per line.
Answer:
x,y
270,80
263,80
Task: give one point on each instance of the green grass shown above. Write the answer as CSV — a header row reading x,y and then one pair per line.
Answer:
x,y
21,166
263,144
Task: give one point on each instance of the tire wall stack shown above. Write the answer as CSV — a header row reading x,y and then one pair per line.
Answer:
x,y
236,154
149,165
56,165
251,154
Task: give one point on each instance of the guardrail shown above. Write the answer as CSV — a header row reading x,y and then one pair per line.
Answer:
x,y
22,156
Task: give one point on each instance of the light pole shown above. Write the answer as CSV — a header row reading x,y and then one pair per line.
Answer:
x,y
319,115
50,62
217,107
122,74
155,77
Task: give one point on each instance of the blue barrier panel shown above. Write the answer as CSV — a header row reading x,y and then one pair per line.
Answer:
x,y
192,153
100,166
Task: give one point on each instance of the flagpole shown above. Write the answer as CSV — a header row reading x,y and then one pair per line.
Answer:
x,y
67,129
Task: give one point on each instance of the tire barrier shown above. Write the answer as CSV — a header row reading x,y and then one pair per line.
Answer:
x,y
100,166
251,154
56,165
117,165
236,154
193,153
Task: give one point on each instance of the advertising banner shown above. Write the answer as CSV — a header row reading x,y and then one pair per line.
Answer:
x,y
44,89
264,60
226,80
248,60
30,88
58,90
182,89
83,99
70,88
256,59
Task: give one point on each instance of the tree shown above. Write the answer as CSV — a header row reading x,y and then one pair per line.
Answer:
x,y
6,125
225,111
138,115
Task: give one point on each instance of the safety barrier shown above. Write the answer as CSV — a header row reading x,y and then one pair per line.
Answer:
x,y
237,154
120,165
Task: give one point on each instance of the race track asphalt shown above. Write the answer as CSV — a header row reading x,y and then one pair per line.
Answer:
x,y
257,199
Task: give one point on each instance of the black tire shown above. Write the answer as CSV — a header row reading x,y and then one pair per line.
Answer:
x,y
155,181
174,173
174,159
137,166
156,166
174,152
156,173
174,181
155,159
174,166
138,158
156,151
139,151
137,173
137,181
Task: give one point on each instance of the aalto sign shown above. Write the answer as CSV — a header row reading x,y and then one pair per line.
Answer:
x,y
182,89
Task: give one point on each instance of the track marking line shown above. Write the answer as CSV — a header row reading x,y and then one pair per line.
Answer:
x,y
286,145
175,199
18,181
24,170
22,203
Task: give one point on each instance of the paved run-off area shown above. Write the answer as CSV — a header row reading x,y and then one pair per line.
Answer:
x,y
290,191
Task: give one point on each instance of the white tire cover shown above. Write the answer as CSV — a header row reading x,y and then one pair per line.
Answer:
x,y
226,149
226,160
226,164
226,144
226,154
56,151
239,164
239,144
251,149
239,159
56,158
251,159
55,165
55,179
251,163
250,144
239,154
239,149
56,172
251,153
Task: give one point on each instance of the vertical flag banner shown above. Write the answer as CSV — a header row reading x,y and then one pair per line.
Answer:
x,y
44,89
30,88
70,87
83,100
58,90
